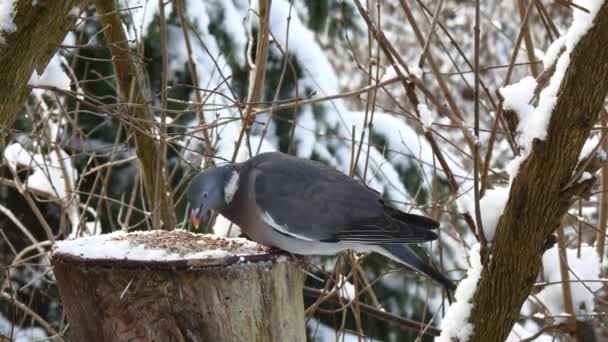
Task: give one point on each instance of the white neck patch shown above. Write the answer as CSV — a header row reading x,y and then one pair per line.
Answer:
x,y
231,187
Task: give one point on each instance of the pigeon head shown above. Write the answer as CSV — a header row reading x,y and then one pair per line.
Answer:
x,y
211,189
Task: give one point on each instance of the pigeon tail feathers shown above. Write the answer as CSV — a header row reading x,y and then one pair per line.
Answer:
x,y
404,255
411,219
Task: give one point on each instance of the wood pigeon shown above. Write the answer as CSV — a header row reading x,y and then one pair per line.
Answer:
x,y
308,208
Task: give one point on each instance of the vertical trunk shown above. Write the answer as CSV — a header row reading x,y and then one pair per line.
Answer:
x,y
538,199
145,131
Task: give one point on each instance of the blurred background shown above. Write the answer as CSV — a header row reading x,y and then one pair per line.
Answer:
x,y
73,164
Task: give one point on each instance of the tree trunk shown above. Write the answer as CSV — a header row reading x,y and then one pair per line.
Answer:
x,y
538,200
239,297
146,134
40,29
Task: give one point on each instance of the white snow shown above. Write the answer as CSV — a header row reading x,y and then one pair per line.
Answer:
x,y
581,21
318,75
321,332
533,121
588,147
21,334
7,15
114,246
225,228
517,97
492,205
585,176
53,75
426,116
402,138
553,52
455,324
536,126
345,288
527,330
391,72
513,166
47,175
586,268
415,71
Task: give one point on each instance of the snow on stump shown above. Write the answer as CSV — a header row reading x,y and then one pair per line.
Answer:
x,y
178,286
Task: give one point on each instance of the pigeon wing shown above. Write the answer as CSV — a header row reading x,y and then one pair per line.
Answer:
x,y
307,199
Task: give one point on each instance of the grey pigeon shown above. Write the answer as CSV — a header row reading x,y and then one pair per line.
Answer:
x,y
308,208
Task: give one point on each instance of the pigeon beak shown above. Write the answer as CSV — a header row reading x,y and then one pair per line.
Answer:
x,y
196,221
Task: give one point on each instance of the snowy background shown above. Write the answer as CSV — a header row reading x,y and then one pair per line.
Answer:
x,y
330,94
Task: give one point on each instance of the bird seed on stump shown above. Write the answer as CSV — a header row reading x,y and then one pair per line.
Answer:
x,y
178,286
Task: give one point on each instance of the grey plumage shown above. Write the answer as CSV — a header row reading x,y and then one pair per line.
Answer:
x,y
306,207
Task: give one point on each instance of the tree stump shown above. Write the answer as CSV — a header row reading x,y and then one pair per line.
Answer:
x,y
178,286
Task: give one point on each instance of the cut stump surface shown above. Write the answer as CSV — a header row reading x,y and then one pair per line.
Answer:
x,y
178,286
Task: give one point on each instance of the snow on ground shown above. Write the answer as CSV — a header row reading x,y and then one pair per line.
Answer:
x,y
157,245
527,330
323,333
455,324
18,334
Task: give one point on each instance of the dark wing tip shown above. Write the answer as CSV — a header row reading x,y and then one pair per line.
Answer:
x,y
411,219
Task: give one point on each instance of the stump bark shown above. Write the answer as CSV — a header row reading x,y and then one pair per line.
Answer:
x,y
225,295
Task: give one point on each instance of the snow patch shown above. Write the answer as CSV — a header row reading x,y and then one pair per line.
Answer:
x,y
7,15
426,116
528,330
581,23
117,246
492,205
320,332
391,72
513,166
517,97
53,76
18,334
346,288
455,324
588,147
586,268
585,176
553,52
225,228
